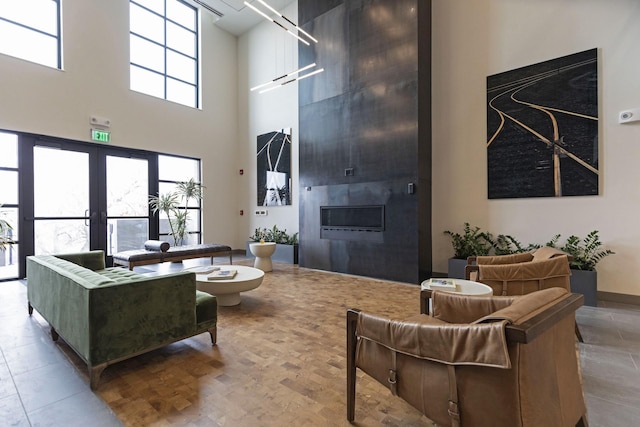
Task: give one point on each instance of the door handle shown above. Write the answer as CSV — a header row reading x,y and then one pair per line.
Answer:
x,y
89,218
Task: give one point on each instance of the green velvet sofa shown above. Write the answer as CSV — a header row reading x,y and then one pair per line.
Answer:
x,y
110,314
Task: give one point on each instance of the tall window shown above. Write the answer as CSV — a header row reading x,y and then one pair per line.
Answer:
x,y
8,205
30,29
173,170
164,50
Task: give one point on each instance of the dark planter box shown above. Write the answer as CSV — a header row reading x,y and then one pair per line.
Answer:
x,y
456,268
284,253
586,283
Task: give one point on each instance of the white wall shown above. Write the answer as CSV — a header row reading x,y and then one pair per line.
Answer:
x,y
95,81
264,53
475,39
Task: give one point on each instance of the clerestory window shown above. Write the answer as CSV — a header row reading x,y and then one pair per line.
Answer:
x,y
164,48
30,30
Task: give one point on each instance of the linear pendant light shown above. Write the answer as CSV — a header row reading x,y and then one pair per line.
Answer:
x,y
289,21
268,18
284,76
292,80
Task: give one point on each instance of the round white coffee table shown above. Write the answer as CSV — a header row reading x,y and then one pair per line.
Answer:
x,y
463,287
467,287
227,291
263,252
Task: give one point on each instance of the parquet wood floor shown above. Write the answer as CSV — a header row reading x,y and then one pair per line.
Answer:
x,y
280,361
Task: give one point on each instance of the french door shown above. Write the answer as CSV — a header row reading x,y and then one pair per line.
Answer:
x,y
62,196
89,197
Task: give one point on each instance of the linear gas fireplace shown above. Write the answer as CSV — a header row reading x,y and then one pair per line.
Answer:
x,y
352,222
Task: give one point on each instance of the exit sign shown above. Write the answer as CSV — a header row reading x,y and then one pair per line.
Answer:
x,y
100,135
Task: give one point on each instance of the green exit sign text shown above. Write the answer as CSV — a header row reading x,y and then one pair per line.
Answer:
x,y
100,135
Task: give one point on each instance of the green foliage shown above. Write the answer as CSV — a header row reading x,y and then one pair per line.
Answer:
x,y
5,240
175,205
586,252
274,234
507,244
472,242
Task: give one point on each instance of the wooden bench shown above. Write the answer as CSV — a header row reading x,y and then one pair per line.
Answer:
x,y
136,257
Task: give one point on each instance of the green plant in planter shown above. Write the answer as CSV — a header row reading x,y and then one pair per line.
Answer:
x,y
472,242
586,252
5,227
175,205
506,244
275,235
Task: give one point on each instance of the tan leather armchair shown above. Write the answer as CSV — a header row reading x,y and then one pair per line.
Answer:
x,y
545,253
478,361
520,274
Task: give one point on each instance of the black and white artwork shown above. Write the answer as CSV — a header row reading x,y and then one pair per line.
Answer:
x,y
542,129
274,168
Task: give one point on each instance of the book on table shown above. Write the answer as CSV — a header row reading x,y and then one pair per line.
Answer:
x,y
222,274
203,269
441,284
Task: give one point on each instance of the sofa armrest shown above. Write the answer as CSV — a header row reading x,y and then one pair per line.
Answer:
x,y
93,260
129,317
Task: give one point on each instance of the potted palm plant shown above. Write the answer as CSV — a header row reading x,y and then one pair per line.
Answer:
x,y
175,206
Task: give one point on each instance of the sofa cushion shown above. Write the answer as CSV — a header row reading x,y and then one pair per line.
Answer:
x,y
206,308
84,276
119,274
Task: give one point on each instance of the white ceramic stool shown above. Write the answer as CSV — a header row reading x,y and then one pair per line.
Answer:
x,y
263,252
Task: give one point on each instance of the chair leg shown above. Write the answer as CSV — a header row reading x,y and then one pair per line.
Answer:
x,y
582,422
94,375
578,334
352,317
214,334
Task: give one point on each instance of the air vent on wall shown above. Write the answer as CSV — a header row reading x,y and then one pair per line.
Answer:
x,y
209,8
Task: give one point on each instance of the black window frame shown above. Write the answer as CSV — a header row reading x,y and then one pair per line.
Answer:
x,y
166,48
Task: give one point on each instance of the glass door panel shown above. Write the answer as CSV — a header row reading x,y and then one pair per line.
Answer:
x,y
127,203
9,254
61,200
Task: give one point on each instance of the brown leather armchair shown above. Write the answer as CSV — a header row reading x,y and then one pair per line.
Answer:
x,y
520,274
478,361
476,263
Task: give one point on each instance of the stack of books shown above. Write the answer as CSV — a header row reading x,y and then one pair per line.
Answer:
x,y
204,269
222,274
442,285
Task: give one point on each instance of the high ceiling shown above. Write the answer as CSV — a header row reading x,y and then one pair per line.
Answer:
x,y
238,18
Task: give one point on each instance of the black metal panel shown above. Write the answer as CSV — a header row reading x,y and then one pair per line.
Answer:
x,y
324,142
369,114
383,39
393,257
384,131
311,9
331,53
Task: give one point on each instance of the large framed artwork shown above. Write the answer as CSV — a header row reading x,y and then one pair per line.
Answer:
x,y
274,168
542,129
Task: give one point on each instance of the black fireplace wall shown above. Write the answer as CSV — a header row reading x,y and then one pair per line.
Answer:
x,y
365,134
